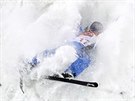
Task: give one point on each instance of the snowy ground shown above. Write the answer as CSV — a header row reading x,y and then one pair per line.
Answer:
x,y
27,26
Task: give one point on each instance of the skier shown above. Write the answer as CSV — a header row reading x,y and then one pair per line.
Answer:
x,y
82,43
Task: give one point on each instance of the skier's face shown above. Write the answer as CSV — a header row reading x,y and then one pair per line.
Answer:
x,y
90,33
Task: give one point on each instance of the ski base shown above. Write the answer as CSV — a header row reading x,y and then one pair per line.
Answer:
x,y
73,81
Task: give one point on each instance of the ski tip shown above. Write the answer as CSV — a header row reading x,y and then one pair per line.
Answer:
x,y
94,84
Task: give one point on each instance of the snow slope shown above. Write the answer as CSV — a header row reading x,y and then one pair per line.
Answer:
x,y
27,26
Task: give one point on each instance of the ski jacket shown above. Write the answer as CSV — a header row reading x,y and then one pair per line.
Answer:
x,y
85,40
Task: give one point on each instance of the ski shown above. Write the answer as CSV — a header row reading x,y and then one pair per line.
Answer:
x,y
73,81
21,85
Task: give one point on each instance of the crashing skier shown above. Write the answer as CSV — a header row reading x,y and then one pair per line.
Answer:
x,y
82,43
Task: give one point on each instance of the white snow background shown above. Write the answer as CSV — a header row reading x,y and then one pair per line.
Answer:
x,y
30,26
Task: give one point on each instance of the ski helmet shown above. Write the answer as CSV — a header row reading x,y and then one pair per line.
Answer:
x,y
96,27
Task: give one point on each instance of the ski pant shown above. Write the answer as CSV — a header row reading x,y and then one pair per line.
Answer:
x,y
80,64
